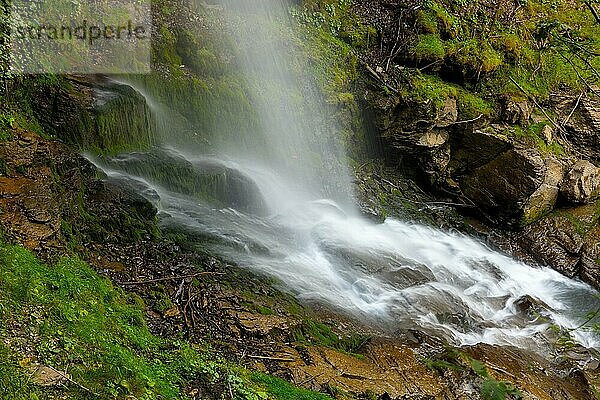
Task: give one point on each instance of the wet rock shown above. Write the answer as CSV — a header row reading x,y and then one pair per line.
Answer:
x,y
386,369
517,187
583,129
532,374
529,306
473,148
555,241
206,179
51,193
590,258
582,183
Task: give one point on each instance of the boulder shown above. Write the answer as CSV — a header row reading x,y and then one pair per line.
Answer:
x,y
517,187
590,258
568,240
554,241
582,183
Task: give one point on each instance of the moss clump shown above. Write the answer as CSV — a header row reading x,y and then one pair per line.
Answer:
x,y
424,88
428,48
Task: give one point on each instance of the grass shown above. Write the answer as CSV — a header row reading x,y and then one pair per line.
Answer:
x,y
280,389
68,317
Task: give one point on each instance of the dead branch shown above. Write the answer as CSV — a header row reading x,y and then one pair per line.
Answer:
x,y
170,278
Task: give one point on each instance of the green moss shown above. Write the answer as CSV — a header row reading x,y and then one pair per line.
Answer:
x,y
532,136
428,48
430,88
7,122
280,389
427,21
472,106
544,52
71,318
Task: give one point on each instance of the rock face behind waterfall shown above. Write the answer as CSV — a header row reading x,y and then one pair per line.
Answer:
x,y
205,179
549,199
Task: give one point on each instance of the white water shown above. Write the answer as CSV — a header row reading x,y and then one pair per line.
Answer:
x,y
395,275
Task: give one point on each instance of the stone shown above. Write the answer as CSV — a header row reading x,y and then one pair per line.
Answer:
x,y
582,183
47,376
554,241
583,129
517,187
590,258
547,134
448,114
516,111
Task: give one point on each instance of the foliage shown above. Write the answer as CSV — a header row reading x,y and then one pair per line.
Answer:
x,y
67,317
542,45
280,389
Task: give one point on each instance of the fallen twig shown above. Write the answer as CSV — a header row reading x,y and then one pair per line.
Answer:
x,y
560,128
380,79
68,378
574,108
171,278
466,121
272,358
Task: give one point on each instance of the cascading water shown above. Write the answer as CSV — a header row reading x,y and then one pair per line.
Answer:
x,y
277,201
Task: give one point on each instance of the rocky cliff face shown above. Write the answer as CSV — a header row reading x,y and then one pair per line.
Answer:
x,y
523,157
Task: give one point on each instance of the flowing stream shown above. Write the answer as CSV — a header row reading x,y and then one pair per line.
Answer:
x,y
284,208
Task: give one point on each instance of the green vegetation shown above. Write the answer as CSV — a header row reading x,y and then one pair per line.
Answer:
x,y
316,333
457,361
331,33
539,43
533,135
280,389
428,48
431,88
68,318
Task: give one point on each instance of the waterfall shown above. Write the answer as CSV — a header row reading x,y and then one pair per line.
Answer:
x,y
280,203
